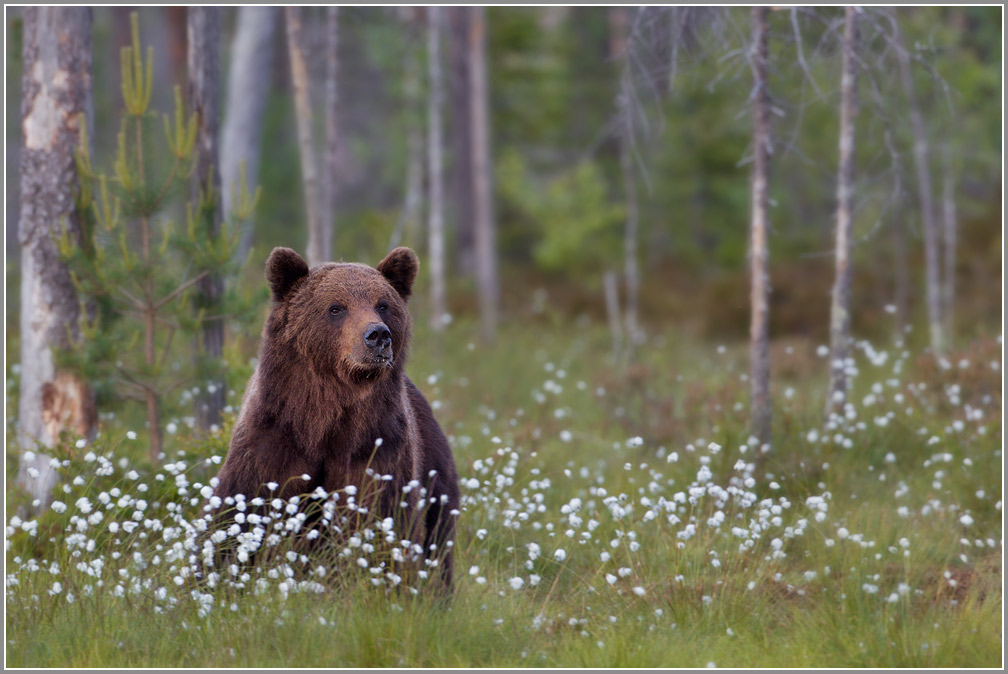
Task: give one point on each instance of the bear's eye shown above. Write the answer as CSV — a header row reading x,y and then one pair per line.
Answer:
x,y
382,307
336,310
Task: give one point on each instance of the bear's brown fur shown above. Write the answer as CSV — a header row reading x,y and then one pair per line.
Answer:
x,y
330,386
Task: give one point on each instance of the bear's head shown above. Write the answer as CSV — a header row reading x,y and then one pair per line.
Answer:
x,y
346,319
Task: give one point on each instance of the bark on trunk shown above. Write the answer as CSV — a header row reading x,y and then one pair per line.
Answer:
x,y
618,45
840,308
949,226
203,46
486,245
921,152
611,286
461,142
302,107
435,222
408,224
330,165
248,87
56,103
759,348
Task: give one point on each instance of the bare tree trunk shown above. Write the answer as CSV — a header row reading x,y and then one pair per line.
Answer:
x,y
930,230
901,270
461,170
56,104
486,245
330,165
949,226
435,215
618,46
203,35
302,105
248,87
611,286
407,225
759,347
840,308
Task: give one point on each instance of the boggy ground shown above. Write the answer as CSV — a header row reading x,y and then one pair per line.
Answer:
x,y
614,516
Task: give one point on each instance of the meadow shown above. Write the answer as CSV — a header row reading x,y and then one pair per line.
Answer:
x,y
615,515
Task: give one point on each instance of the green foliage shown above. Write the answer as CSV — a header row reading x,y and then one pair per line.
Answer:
x,y
137,264
579,227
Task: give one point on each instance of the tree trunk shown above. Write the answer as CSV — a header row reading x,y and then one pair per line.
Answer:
x,y
949,226
407,226
302,106
248,87
759,348
479,118
461,171
435,215
330,164
203,40
901,270
931,263
618,45
840,323
611,287
56,103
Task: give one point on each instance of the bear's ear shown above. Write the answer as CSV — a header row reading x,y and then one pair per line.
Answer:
x,y
283,269
400,269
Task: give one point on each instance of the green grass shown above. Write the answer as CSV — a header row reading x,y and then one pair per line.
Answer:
x,y
544,417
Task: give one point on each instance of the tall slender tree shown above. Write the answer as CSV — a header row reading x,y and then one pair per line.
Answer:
x,y
55,110
314,251
435,173
929,229
408,223
203,47
331,159
949,227
759,278
479,119
248,87
619,43
459,171
840,323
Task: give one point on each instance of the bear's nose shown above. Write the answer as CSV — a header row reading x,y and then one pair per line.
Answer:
x,y
377,336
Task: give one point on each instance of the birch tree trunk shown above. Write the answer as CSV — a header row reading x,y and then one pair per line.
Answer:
x,y
461,170
921,151
203,40
486,245
407,226
840,307
949,226
618,45
759,348
435,179
56,104
248,87
302,107
330,164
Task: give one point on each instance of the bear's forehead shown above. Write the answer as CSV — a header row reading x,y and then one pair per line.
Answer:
x,y
351,280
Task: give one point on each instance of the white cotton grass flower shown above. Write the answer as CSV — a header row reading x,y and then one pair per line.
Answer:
x,y
516,583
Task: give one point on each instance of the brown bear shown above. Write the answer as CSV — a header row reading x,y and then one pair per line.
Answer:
x,y
330,400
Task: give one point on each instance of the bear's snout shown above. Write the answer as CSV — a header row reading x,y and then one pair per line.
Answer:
x,y
378,339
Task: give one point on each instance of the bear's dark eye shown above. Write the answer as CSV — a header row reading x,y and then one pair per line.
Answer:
x,y
336,310
382,307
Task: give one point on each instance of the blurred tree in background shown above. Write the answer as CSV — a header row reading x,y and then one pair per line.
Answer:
x,y
140,267
558,97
